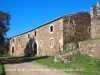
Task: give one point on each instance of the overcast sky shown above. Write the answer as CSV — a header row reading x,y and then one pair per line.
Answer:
x,y
28,14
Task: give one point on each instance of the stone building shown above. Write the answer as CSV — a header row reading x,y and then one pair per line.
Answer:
x,y
92,47
48,39
95,21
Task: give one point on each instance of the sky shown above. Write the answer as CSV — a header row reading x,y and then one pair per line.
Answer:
x,y
29,14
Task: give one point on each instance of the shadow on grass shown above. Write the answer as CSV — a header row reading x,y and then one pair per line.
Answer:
x,y
18,60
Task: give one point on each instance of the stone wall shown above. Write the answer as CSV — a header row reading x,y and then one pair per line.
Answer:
x,y
43,33
77,26
95,28
95,21
48,43
19,45
91,48
48,39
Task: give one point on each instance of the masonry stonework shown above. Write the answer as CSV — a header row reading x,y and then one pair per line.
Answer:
x,y
91,48
48,39
95,28
42,37
95,21
77,26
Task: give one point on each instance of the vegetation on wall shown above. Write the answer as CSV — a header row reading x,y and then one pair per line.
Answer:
x,y
76,41
67,48
98,18
93,39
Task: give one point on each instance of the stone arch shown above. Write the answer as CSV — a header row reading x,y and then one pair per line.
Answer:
x,y
35,47
12,49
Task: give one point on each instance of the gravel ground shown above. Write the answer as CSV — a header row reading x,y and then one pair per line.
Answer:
x,y
31,68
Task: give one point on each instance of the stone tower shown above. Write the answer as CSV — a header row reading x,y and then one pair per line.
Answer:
x,y
93,11
95,21
98,9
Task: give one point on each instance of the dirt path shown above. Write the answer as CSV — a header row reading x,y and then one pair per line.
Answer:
x,y
22,67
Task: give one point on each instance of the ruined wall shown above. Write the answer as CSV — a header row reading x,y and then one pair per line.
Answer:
x,y
76,26
91,48
95,21
95,28
48,43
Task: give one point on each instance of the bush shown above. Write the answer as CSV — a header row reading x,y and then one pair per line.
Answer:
x,y
76,41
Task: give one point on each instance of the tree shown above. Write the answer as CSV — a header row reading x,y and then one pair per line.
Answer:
x,y
6,43
4,25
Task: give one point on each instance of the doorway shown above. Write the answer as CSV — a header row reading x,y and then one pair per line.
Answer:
x,y
12,50
35,48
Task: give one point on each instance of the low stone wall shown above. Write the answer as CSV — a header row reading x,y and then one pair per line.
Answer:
x,y
67,57
91,48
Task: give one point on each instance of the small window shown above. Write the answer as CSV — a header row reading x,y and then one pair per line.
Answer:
x,y
19,38
35,33
19,47
28,36
51,42
13,40
89,30
41,42
51,28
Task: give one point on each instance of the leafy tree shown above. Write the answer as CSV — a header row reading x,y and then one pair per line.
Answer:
x,y
6,43
4,25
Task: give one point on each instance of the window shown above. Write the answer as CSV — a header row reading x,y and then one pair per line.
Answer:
x,y
13,40
51,42
35,33
19,38
89,30
41,42
28,36
19,47
51,28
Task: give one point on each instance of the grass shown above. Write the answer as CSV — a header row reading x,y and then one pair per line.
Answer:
x,y
6,55
1,69
89,64
49,61
93,39
83,64
9,56
1,66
